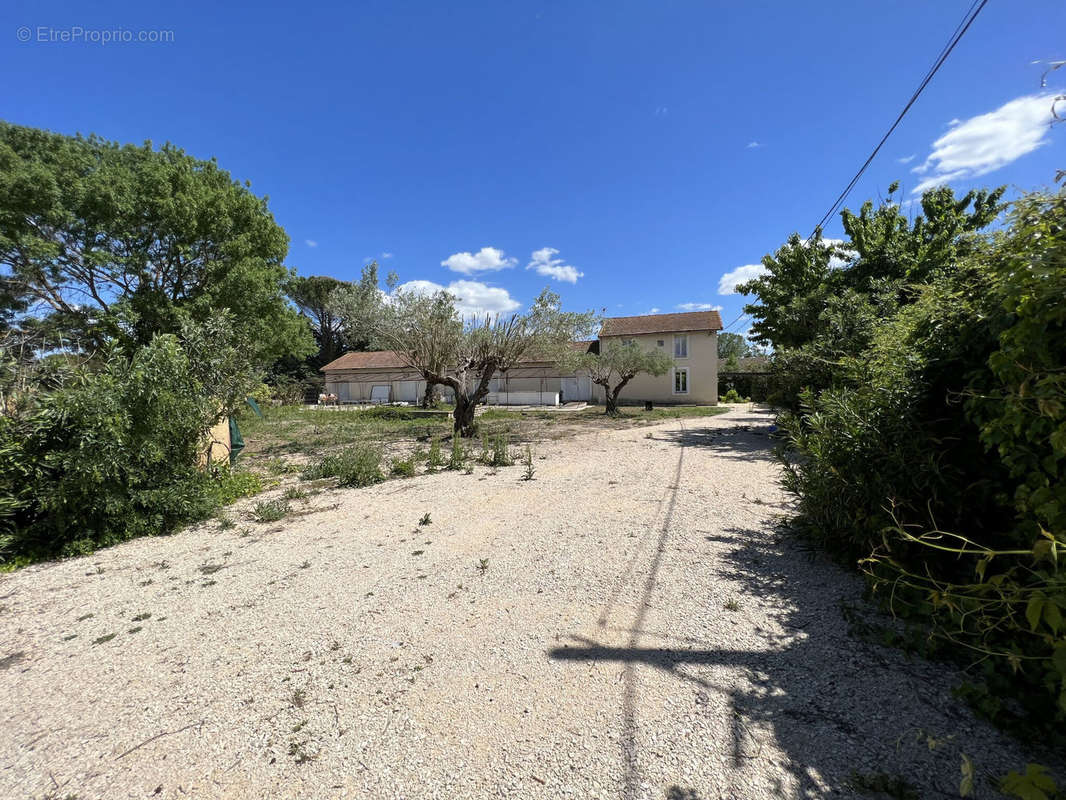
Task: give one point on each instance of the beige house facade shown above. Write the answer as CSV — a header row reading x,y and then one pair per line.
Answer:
x,y
691,339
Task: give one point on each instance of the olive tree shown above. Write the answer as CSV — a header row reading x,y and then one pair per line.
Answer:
x,y
617,364
428,335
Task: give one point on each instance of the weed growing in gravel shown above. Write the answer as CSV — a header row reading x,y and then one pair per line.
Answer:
x,y
294,493
494,452
359,465
458,456
278,466
225,522
105,638
298,699
299,755
434,458
528,476
403,468
142,617
425,520
270,511
732,604
483,565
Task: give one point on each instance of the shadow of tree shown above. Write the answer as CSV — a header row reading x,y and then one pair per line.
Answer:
x,y
834,705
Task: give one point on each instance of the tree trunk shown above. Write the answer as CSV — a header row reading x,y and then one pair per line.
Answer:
x,y
466,402
464,415
610,397
429,398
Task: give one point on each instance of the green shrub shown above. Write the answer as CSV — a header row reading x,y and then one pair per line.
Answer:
x,y
108,455
501,454
457,459
231,485
434,459
270,510
733,397
359,465
403,468
931,446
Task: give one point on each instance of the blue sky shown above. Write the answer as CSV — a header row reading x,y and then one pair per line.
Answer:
x,y
628,154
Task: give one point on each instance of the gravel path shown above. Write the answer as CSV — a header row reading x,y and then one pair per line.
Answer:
x,y
637,630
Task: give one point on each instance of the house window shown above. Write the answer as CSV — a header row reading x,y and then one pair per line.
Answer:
x,y
681,345
660,343
680,380
627,342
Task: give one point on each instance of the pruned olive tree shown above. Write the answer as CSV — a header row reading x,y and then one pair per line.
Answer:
x,y
429,336
617,364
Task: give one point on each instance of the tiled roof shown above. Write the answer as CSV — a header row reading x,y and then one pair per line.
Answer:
x,y
374,359
662,323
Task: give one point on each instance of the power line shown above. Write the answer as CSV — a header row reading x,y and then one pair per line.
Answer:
x,y
960,30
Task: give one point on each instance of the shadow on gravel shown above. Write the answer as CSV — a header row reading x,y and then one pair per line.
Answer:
x,y
744,442
850,717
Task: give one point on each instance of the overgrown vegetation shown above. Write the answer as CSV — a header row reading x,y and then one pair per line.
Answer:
x,y
140,300
111,453
355,466
923,368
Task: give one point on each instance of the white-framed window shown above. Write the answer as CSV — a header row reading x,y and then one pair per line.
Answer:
x,y
681,345
627,342
680,380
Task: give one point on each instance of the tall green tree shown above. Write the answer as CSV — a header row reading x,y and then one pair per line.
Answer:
x,y
117,243
315,296
732,347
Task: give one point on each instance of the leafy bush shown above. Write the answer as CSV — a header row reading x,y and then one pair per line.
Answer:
x,y
732,397
109,455
359,465
930,442
270,510
231,485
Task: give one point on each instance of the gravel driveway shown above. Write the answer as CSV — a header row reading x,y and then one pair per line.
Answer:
x,y
636,630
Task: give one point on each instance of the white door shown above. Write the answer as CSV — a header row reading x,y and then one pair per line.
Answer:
x,y
571,390
407,391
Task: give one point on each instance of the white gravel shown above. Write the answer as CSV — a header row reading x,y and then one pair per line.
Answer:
x,y
351,653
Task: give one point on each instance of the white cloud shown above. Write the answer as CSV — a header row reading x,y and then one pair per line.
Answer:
x,y
698,307
471,297
906,159
753,145
653,311
987,142
310,242
487,259
727,284
545,264
386,255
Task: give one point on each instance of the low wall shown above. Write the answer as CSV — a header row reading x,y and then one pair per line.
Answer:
x,y
522,399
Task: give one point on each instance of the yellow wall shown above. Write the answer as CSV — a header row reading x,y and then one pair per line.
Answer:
x,y
702,364
216,445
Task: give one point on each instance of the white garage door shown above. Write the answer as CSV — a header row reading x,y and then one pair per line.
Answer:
x,y
408,391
